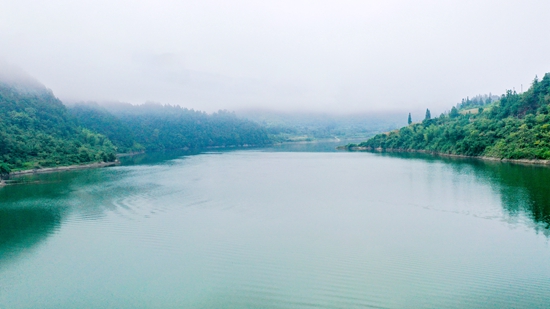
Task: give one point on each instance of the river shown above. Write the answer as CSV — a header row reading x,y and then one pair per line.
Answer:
x,y
292,226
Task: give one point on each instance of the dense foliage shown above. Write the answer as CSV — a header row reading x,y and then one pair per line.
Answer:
x,y
98,119
517,126
36,131
156,127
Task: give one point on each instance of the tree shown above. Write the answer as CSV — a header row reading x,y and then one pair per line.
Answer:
x,y
409,121
4,171
454,112
428,114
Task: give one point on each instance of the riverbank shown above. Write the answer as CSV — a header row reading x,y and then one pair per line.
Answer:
x,y
128,154
63,168
320,141
435,153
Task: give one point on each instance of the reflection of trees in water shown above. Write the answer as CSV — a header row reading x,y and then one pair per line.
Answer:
x,y
530,182
157,157
30,213
523,188
22,229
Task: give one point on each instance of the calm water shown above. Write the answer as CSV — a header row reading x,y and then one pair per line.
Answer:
x,y
289,227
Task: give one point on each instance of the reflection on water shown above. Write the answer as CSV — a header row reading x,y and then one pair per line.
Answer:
x,y
31,213
21,229
291,226
156,157
323,146
33,210
523,188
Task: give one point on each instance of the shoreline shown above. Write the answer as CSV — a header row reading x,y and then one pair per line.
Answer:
x,y
63,168
128,154
67,168
323,140
537,162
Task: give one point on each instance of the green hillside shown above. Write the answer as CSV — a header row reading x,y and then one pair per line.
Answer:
x,y
517,126
98,119
156,127
37,131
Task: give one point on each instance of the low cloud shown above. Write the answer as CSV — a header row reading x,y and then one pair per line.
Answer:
x,y
350,56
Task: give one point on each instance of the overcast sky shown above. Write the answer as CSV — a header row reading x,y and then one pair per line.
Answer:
x,y
290,55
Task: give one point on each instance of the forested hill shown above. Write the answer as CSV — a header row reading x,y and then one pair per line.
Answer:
x,y
36,131
154,126
516,126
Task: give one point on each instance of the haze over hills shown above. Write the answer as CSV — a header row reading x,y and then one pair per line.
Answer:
x,y
309,126
221,124
153,126
319,56
37,130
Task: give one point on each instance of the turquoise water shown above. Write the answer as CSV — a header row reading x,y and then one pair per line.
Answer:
x,y
294,226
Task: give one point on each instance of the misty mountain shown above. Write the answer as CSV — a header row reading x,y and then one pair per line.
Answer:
x,y
96,118
153,126
36,130
20,81
302,126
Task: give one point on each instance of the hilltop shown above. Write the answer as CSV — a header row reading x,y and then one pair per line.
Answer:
x,y
36,130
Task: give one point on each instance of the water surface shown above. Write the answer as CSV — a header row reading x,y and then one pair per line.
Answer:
x,y
294,226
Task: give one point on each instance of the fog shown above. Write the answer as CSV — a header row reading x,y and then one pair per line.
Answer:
x,y
14,75
322,56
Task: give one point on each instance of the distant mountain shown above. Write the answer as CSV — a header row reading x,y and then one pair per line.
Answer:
x,y
154,126
37,130
296,126
516,126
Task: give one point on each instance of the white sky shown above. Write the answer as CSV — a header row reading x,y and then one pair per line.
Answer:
x,y
291,55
